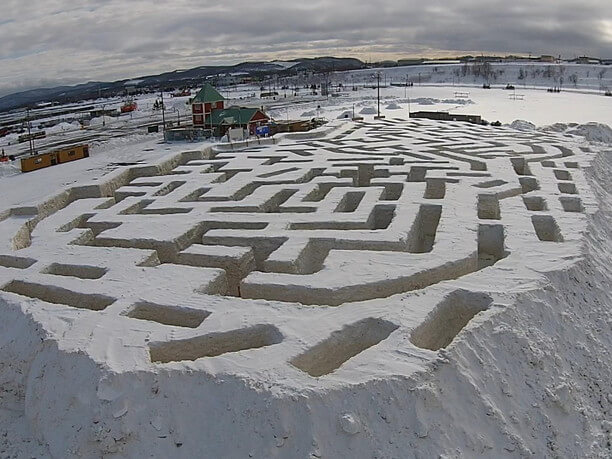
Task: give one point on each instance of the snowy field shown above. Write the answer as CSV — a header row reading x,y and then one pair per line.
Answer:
x,y
539,107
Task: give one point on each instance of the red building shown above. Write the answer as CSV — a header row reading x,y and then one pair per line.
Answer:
x,y
202,105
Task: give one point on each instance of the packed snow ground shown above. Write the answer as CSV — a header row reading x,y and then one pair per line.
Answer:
x,y
456,222
17,188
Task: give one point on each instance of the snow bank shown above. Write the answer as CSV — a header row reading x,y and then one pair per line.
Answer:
x,y
425,101
345,114
368,111
9,168
593,132
62,127
393,106
522,125
457,101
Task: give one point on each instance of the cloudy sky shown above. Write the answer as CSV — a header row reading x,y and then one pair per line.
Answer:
x,y
47,42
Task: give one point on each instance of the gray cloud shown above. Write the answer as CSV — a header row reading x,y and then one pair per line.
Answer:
x,y
56,41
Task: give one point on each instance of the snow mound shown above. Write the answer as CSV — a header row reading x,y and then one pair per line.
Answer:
x,y
62,127
593,132
522,125
344,115
8,169
368,111
434,101
425,101
457,101
393,106
557,127
309,114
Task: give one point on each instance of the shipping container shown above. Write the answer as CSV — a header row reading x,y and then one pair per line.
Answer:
x,y
72,153
32,163
65,155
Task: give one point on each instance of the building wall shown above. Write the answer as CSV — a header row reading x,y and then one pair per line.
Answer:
x,y
198,120
199,111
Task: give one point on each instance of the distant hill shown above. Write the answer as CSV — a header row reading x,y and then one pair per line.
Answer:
x,y
176,78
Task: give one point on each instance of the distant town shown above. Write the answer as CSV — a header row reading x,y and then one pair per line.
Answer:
x,y
249,73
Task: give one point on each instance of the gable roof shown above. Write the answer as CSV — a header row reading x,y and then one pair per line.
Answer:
x,y
232,115
207,94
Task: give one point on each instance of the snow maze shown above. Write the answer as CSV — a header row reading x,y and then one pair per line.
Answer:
x,y
321,261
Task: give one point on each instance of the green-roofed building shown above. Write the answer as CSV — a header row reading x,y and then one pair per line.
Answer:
x,y
209,112
205,101
245,117
207,94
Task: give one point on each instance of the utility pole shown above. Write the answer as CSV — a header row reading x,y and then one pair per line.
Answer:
x,y
30,139
163,110
379,116
378,90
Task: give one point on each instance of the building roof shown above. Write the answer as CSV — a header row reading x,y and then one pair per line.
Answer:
x,y
207,94
232,115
